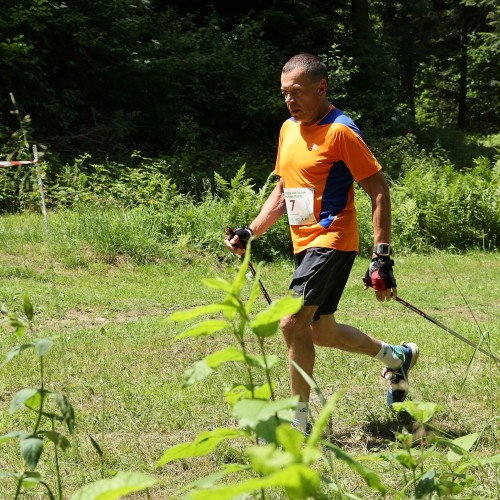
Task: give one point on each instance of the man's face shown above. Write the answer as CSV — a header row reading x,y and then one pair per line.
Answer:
x,y
304,98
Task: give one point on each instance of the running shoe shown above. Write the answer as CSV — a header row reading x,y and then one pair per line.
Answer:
x,y
398,377
308,430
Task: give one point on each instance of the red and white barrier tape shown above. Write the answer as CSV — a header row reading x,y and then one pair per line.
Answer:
x,y
13,163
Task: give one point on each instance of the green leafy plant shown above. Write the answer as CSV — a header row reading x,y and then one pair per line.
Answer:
x,y
432,465
53,411
285,458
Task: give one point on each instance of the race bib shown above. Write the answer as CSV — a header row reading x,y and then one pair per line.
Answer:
x,y
300,206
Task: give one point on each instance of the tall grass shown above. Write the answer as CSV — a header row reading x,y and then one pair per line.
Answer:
x,y
434,207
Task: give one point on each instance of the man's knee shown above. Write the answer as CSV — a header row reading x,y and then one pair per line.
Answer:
x,y
325,332
295,325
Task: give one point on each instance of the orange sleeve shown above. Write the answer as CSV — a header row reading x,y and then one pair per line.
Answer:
x,y
355,153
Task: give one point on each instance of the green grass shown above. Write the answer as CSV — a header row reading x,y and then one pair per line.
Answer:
x,y
117,360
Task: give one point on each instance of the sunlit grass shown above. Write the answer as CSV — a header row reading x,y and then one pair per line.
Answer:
x,y
117,359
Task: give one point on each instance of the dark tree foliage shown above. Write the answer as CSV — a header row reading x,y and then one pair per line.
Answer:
x,y
197,82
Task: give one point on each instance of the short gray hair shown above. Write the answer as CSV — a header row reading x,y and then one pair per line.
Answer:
x,y
313,66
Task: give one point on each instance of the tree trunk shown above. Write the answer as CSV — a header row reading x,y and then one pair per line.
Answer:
x,y
462,84
408,67
359,15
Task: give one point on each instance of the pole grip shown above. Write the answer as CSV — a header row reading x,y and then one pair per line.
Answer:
x,y
230,234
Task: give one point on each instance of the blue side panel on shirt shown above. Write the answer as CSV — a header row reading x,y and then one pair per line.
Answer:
x,y
337,116
336,193
340,179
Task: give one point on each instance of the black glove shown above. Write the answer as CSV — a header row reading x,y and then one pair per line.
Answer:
x,y
244,234
380,275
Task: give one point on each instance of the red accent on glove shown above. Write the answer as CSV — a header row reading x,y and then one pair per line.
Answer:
x,y
377,282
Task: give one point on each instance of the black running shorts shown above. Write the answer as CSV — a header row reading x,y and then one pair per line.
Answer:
x,y
320,277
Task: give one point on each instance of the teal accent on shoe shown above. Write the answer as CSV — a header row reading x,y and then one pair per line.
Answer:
x,y
398,351
398,387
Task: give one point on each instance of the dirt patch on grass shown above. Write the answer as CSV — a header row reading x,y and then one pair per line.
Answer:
x,y
88,318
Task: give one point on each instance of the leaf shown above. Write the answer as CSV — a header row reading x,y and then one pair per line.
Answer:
x,y
96,446
250,412
239,281
421,411
225,355
206,328
494,459
66,410
5,475
290,440
202,445
197,372
314,386
16,351
57,438
210,480
218,283
406,460
265,329
371,478
298,480
32,479
255,292
35,402
21,397
117,487
462,444
240,391
31,450
43,346
266,322
28,307
258,361
324,417
13,435
426,484
266,460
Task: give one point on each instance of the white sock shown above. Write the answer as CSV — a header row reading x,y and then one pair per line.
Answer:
x,y
391,355
301,413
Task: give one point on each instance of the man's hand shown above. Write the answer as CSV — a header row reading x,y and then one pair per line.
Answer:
x,y
380,277
237,240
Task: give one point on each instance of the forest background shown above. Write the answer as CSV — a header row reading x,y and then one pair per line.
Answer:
x,y
173,93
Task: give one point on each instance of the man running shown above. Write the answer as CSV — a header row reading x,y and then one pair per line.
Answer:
x,y
321,153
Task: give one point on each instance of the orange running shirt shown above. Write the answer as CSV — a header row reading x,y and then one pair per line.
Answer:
x,y
318,165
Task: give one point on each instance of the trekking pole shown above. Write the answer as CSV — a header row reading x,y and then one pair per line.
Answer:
x,y
444,327
230,234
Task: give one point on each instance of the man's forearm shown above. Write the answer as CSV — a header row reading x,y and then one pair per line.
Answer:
x,y
272,209
378,190
381,217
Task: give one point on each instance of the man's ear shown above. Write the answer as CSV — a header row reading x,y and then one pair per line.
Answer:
x,y
323,87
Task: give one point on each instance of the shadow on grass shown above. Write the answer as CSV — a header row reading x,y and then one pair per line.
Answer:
x,y
374,434
380,433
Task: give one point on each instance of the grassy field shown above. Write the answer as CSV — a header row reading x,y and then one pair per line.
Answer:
x,y
118,362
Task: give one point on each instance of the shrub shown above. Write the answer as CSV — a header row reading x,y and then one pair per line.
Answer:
x,y
443,208
235,203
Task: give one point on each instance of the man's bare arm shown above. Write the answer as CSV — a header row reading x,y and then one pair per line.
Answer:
x,y
272,209
377,189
